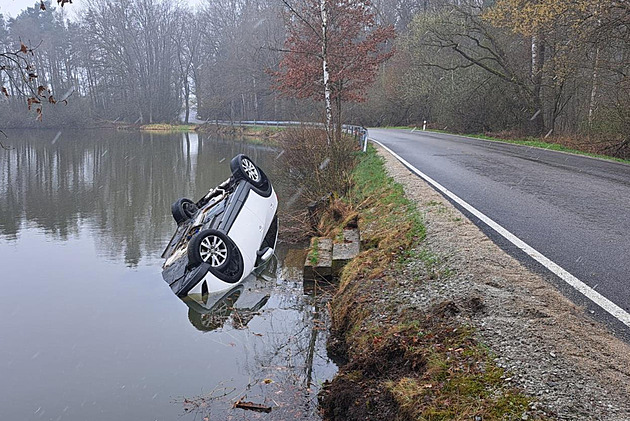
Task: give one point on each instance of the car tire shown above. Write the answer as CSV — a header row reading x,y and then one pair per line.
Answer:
x,y
219,251
243,168
210,246
183,209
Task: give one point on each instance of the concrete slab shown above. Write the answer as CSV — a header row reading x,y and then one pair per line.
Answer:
x,y
346,251
322,268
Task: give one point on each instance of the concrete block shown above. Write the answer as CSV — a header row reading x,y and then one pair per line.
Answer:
x,y
346,251
322,268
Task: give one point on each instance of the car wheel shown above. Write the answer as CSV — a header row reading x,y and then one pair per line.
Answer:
x,y
212,247
183,209
243,168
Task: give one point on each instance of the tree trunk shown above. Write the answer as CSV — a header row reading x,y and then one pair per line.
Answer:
x,y
256,116
324,14
338,105
538,61
199,92
593,101
243,108
187,98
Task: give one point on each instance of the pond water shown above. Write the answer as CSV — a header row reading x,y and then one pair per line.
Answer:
x,y
88,328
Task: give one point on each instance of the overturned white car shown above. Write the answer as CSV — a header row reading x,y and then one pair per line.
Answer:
x,y
225,235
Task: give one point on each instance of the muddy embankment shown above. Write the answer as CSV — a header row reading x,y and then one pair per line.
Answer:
x,y
433,321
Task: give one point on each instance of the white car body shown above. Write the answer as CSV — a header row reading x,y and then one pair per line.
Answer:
x,y
225,235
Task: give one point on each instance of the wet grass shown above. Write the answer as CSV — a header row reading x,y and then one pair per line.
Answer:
x,y
313,254
404,362
263,129
399,127
537,143
459,380
424,366
388,221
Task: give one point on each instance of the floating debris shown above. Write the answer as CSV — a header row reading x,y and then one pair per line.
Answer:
x,y
251,406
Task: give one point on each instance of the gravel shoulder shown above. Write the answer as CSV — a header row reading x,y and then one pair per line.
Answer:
x,y
574,367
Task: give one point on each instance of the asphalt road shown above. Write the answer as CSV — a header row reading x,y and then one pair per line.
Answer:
x,y
574,210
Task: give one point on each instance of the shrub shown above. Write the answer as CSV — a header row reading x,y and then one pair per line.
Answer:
x,y
317,167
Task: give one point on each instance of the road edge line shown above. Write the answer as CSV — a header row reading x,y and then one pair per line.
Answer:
x,y
603,302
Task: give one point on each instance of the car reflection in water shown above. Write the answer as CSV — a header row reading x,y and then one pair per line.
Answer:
x,y
239,305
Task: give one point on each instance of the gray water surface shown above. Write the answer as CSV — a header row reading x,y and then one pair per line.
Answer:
x,y
88,328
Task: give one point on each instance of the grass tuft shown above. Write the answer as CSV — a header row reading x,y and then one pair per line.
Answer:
x,y
313,254
382,205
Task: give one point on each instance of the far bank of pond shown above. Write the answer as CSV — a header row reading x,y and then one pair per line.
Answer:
x,y
255,133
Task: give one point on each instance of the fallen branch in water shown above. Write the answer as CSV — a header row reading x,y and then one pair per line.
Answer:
x,y
251,406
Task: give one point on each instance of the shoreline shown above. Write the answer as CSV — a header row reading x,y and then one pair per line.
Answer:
x,y
523,351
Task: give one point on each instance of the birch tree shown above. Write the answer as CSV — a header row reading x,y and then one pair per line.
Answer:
x,y
332,53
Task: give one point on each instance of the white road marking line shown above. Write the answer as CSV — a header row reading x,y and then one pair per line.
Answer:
x,y
607,305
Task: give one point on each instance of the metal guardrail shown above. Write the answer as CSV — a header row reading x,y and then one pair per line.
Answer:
x,y
359,132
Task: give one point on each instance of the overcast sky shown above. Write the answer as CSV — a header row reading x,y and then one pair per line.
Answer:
x,y
14,7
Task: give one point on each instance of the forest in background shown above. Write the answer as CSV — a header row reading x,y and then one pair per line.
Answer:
x,y
556,68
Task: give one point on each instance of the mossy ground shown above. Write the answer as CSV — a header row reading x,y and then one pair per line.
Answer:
x,y
399,362
313,253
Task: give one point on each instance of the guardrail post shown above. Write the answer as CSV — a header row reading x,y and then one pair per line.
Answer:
x,y
365,139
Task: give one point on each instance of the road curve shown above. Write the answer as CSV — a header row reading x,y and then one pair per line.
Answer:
x,y
574,210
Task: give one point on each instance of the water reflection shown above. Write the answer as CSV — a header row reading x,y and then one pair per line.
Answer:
x,y
118,184
211,311
279,331
84,217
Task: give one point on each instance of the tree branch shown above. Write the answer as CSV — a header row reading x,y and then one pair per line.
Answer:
x,y
299,16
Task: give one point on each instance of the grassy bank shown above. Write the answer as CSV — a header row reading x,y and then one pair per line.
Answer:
x,y
400,360
256,132
559,144
538,143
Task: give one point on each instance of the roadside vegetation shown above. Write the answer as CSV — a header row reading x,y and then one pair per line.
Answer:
x,y
320,168
254,133
319,174
568,144
397,361
562,144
